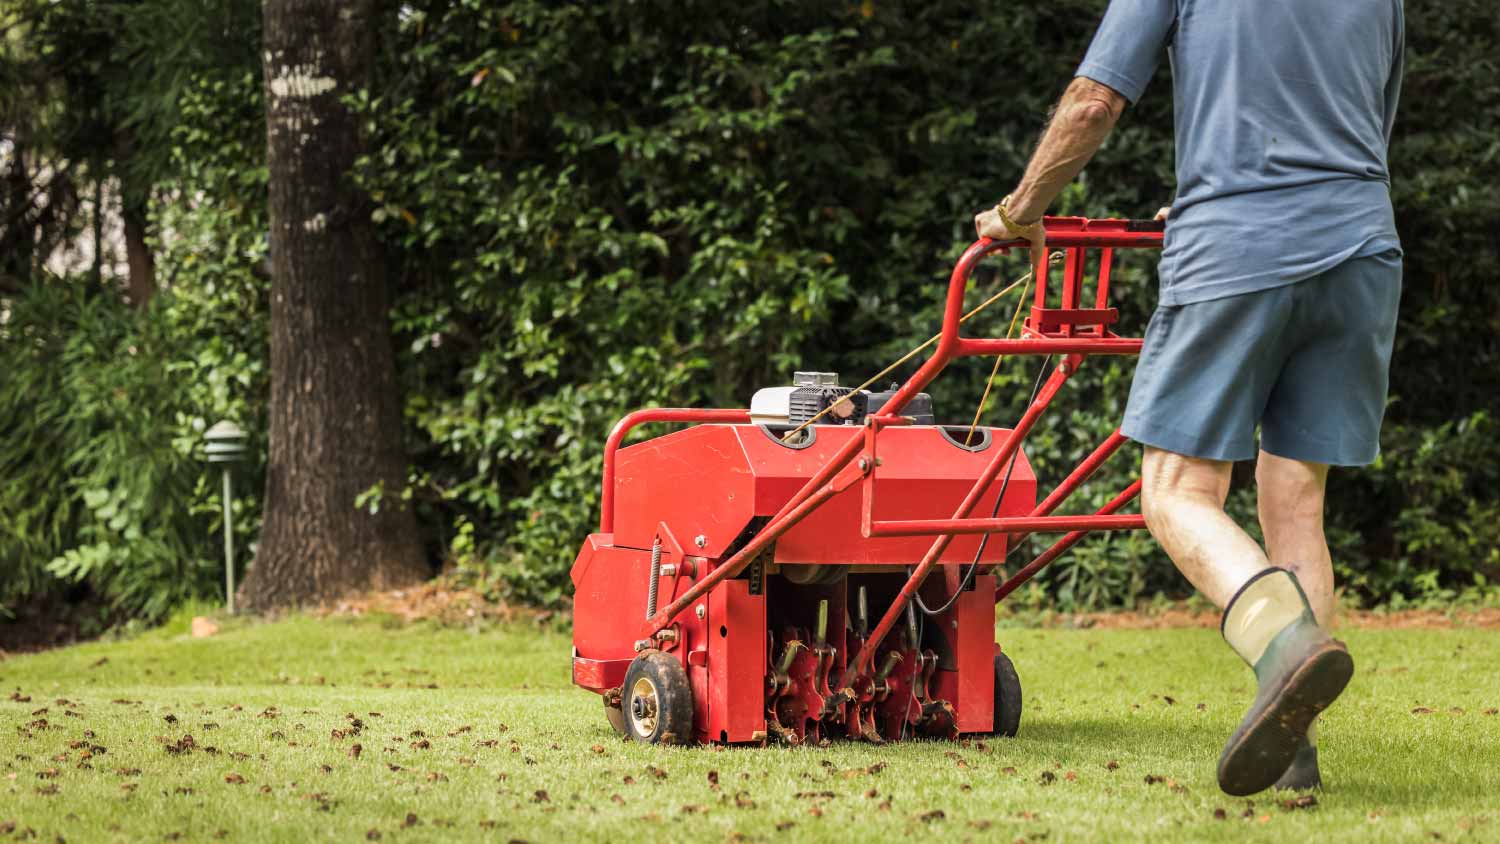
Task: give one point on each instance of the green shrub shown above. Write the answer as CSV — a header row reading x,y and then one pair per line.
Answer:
x,y
731,192
102,407
106,484
592,207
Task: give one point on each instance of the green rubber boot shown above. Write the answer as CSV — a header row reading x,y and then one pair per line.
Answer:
x,y
1303,773
1299,671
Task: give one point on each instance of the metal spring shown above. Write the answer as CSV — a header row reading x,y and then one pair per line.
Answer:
x,y
655,576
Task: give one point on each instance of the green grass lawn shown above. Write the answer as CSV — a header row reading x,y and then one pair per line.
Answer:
x,y
477,735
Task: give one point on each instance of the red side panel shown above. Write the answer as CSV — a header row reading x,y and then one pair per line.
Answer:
x,y
697,481
736,664
609,599
976,657
969,684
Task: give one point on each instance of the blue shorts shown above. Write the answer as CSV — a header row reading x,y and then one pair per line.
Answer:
x,y
1308,362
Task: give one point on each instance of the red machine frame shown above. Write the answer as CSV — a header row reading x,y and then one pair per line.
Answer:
x,y
1070,330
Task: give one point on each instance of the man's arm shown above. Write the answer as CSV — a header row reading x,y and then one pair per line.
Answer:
x,y
1082,120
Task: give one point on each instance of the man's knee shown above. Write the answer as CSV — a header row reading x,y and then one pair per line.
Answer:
x,y
1170,481
1290,492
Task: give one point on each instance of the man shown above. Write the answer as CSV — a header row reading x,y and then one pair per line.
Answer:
x,y
1280,279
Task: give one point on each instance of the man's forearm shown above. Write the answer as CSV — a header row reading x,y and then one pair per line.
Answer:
x,y
1082,120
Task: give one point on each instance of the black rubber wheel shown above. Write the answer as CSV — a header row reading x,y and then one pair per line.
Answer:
x,y
1007,697
657,700
615,716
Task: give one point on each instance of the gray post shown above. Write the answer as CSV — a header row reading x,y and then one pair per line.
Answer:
x,y
228,541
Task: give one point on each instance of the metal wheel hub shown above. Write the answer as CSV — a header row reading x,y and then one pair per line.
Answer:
x,y
643,707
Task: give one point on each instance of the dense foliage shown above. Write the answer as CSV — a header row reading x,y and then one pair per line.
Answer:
x,y
592,207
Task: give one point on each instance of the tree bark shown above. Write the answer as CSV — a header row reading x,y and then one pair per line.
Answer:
x,y
335,421
138,257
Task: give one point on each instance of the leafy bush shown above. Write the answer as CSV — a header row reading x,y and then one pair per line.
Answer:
x,y
591,207
727,193
101,483
102,407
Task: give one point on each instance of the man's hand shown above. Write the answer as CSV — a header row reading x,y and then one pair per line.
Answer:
x,y
998,224
1163,213
989,224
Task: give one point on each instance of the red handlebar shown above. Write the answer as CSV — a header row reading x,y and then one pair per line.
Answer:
x,y
1062,232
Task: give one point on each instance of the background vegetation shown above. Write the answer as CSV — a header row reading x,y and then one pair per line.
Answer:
x,y
590,207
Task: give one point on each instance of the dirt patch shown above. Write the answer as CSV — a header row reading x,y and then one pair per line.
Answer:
x,y
1488,619
53,620
438,601
1176,618
1137,620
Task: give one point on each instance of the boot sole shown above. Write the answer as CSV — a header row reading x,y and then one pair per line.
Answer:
x,y
1265,744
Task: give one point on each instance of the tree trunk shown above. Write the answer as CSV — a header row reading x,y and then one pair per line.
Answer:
x,y
335,421
16,236
138,257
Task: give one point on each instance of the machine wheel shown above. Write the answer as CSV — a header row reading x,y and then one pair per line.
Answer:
x,y
615,715
657,700
1007,697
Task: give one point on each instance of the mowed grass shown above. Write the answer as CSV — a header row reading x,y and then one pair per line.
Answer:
x,y
476,735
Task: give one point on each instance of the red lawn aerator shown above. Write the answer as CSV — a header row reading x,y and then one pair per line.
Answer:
x,y
740,588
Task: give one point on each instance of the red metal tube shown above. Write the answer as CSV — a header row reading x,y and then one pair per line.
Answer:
x,y
1106,266
1068,232
1063,544
641,417
1076,478
968,347
1011,524
913,583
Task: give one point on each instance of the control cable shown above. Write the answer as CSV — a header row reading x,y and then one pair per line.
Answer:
x,y
985,538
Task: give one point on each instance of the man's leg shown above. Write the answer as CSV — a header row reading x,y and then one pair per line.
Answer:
x,y
1267,620
1209,371
1289,498
1182,499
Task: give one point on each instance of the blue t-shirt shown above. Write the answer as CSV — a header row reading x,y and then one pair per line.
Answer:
x,y
1284,111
